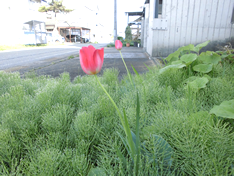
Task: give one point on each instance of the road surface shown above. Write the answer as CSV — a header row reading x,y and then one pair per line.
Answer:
x,y
14,59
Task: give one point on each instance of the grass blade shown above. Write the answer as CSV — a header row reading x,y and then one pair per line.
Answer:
x,y
135,70
137,134
129,136
148,67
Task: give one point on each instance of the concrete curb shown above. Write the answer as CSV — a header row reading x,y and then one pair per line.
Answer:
x,y
155,60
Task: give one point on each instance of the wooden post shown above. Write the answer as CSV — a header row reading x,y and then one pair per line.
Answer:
x,y
89,34
35,33
81,40
70,34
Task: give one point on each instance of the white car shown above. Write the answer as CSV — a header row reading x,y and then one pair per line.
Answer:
x,y
51,37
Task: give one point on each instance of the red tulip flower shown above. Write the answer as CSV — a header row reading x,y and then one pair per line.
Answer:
x,y
91,59
118,44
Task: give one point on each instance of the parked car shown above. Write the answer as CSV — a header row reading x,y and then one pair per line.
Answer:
x,y
51,37
76,38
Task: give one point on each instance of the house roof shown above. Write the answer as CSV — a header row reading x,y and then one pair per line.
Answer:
x,y
62,24
134,13
147,1
33,21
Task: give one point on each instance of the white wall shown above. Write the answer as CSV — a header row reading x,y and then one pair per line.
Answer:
x,y
13,14
190,21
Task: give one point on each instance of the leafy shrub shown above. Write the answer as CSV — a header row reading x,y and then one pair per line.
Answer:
x,y
120,38
111,45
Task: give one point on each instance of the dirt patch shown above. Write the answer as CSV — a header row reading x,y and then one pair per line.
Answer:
x,y
13,69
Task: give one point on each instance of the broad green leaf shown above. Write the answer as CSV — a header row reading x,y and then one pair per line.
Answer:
x,y
190,79
163,149
177,66
207,53
201,45
198,83
175,54
207,76
188,58
225,109
189,47
210,59
224,56
174,59
219,52
176,62
97,172
203,68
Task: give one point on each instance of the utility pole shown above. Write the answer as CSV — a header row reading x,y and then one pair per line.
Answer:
x,y
115,20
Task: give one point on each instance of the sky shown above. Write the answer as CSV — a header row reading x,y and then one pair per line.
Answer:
x,y
85,11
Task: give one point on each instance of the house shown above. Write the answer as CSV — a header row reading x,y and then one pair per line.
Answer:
x,y
68,30
170,24
14,14
135,25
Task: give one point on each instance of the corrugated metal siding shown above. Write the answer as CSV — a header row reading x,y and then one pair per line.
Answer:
x,y
192,21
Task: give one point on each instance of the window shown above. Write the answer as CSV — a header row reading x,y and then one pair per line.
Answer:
x,y
158,8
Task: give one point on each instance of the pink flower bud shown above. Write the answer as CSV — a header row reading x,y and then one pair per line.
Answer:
x,y
118,44
91,59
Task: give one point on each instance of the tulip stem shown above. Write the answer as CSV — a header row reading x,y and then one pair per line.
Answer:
x,y
126,67
121,118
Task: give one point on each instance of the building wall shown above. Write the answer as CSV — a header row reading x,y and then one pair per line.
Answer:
x,y
189,21
13,14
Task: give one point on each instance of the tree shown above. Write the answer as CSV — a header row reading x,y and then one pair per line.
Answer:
x,y
56,7
128,34
38,1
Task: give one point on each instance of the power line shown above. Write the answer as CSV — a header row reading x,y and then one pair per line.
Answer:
x,y
89,8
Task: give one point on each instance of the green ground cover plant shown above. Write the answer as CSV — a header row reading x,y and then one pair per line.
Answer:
x,y
19,46
51,126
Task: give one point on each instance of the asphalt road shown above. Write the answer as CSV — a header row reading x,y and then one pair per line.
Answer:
x,y
53,61
14,59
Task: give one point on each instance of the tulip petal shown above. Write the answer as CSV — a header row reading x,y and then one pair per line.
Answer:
x,y
84,61
91,60
101,53
118,45
98,61
89,52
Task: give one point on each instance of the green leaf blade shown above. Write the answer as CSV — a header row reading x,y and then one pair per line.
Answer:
x,y
201,45
203,68
225,109
135,70
188,58
177,66
210,59
198,83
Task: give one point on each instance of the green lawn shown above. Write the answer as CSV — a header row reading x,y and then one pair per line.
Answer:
x,y
53,126
19,46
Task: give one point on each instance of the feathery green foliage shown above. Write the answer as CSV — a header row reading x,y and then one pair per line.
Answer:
x,y
51,126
